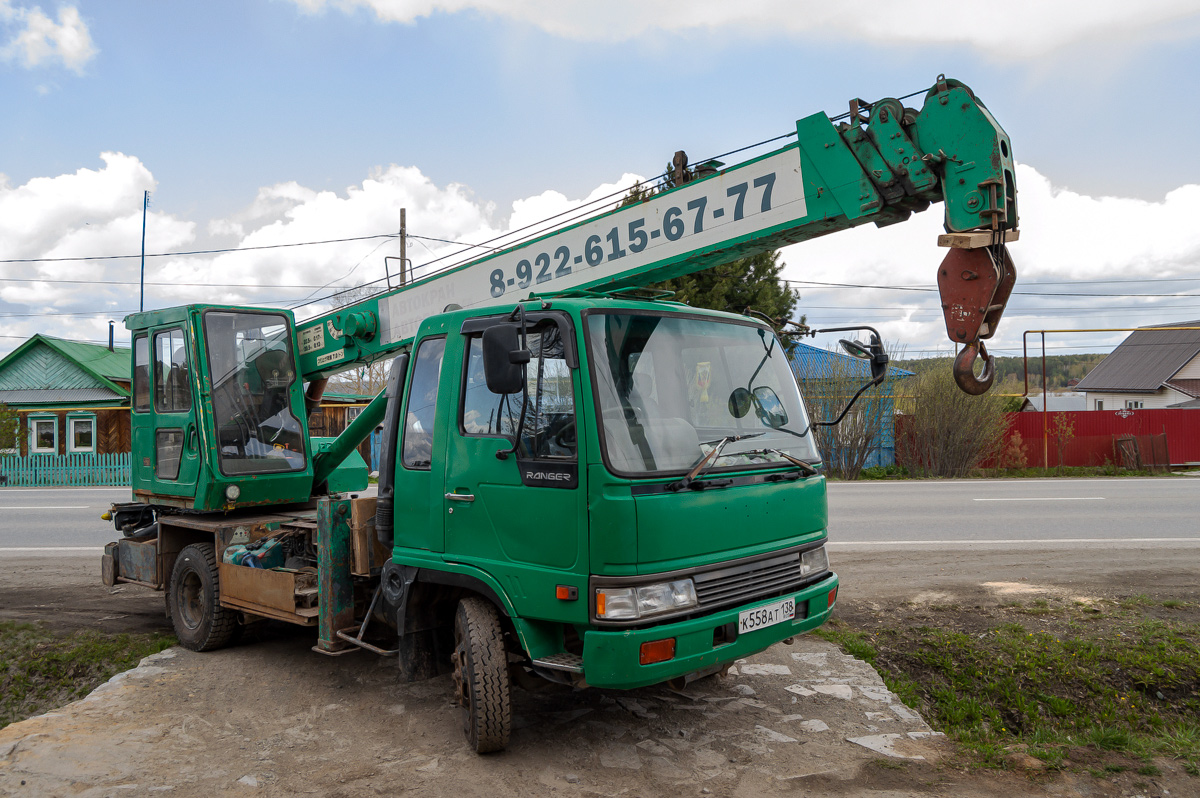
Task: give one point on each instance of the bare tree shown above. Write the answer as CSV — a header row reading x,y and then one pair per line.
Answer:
x,y
847,446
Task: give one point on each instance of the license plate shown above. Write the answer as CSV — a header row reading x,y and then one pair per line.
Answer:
x,y
766,615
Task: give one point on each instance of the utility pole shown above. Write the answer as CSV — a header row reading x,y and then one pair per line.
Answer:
x,y
403,245
145,205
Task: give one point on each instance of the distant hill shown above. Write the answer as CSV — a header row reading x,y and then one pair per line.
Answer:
x,y
1010,373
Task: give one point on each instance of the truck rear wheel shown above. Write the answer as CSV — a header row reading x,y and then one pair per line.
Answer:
x,y
193,597
481,675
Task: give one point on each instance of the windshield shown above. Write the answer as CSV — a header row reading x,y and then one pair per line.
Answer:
x,y
253,369
671,389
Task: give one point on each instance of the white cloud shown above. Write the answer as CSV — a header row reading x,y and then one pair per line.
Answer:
x,y
1018,29
39,40
1065,236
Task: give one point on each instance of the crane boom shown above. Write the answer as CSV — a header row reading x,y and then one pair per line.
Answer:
x,y
883,164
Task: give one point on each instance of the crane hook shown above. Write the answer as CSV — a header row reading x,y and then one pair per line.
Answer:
x,y
964,369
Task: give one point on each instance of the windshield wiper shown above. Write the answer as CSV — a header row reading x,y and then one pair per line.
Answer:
x,y
803,466
708,459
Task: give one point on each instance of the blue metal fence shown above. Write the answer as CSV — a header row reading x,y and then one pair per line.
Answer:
x,y
74,470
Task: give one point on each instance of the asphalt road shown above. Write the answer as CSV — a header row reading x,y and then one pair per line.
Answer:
x,y
1161,512
1144,513
56,518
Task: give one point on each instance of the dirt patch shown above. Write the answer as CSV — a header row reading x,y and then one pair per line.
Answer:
x,y
1037,678
270,717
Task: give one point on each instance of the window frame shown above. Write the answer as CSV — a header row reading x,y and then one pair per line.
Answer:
x,y
157,390
71,421
416,359
33,422
460,420
144,338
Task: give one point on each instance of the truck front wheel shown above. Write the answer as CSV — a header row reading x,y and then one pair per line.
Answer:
x,y
481,675
193,597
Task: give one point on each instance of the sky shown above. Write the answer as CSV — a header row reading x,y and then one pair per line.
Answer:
x,y
256,123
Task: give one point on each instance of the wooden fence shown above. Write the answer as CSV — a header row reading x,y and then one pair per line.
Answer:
x,y
73,470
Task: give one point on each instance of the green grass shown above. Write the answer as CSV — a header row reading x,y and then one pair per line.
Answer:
x,y
1120,683
40,670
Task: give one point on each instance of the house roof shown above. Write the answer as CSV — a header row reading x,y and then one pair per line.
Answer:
x,y
811,363
46,365
1058,401
1145,361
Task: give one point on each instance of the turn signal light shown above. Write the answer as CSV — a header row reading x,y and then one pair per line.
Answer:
x,y
832,597
657,651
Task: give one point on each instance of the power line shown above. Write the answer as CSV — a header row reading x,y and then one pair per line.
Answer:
x,y
1014,293
200,251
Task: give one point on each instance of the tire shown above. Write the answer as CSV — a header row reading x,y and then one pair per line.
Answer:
x,y
193,599
481,675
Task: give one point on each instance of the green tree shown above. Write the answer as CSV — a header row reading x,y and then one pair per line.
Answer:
x,y
9,427
752,282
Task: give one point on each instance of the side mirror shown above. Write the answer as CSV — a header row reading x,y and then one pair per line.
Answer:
x,y
504,359
879,358
768,408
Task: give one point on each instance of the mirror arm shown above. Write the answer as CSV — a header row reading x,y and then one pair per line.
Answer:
x,y
519,312
849,405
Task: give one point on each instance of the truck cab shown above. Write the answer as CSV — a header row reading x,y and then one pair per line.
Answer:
x,y
643,507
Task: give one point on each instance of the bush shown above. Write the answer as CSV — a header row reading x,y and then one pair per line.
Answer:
x,y
947,432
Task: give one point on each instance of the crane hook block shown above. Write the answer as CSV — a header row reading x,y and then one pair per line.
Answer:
x,y
975,285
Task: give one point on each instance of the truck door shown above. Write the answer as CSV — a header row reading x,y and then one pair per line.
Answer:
x,y
520,516
165,440
419,461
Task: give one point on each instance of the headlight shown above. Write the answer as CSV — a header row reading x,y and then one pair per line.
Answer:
x,y
814,561
632,603
232,492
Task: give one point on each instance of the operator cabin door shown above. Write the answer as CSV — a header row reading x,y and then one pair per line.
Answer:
x,y
520,516
167,433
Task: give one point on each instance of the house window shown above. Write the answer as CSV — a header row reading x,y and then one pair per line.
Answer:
x,y
81,434
1099,404
352,413
43,435
1133,404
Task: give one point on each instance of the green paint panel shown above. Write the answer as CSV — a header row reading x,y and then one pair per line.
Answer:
x,y
727,523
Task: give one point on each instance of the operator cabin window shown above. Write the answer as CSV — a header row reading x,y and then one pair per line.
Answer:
x,y
417,451
172,376
253,369
549,430
141,374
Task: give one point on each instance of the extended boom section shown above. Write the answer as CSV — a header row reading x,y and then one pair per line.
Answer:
x,y
881,165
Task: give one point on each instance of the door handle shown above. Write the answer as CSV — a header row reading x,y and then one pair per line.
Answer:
x,y
461,497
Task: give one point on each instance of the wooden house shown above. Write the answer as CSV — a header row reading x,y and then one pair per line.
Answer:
x,y
70,397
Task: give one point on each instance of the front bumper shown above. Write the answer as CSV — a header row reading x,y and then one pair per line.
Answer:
x,y
611,658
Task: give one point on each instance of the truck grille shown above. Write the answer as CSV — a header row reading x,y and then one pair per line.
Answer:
x,y
738,584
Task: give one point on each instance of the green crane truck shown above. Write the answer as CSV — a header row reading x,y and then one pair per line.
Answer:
x,y
579,480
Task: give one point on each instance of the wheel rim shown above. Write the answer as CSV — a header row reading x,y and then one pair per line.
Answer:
x,y
191,612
